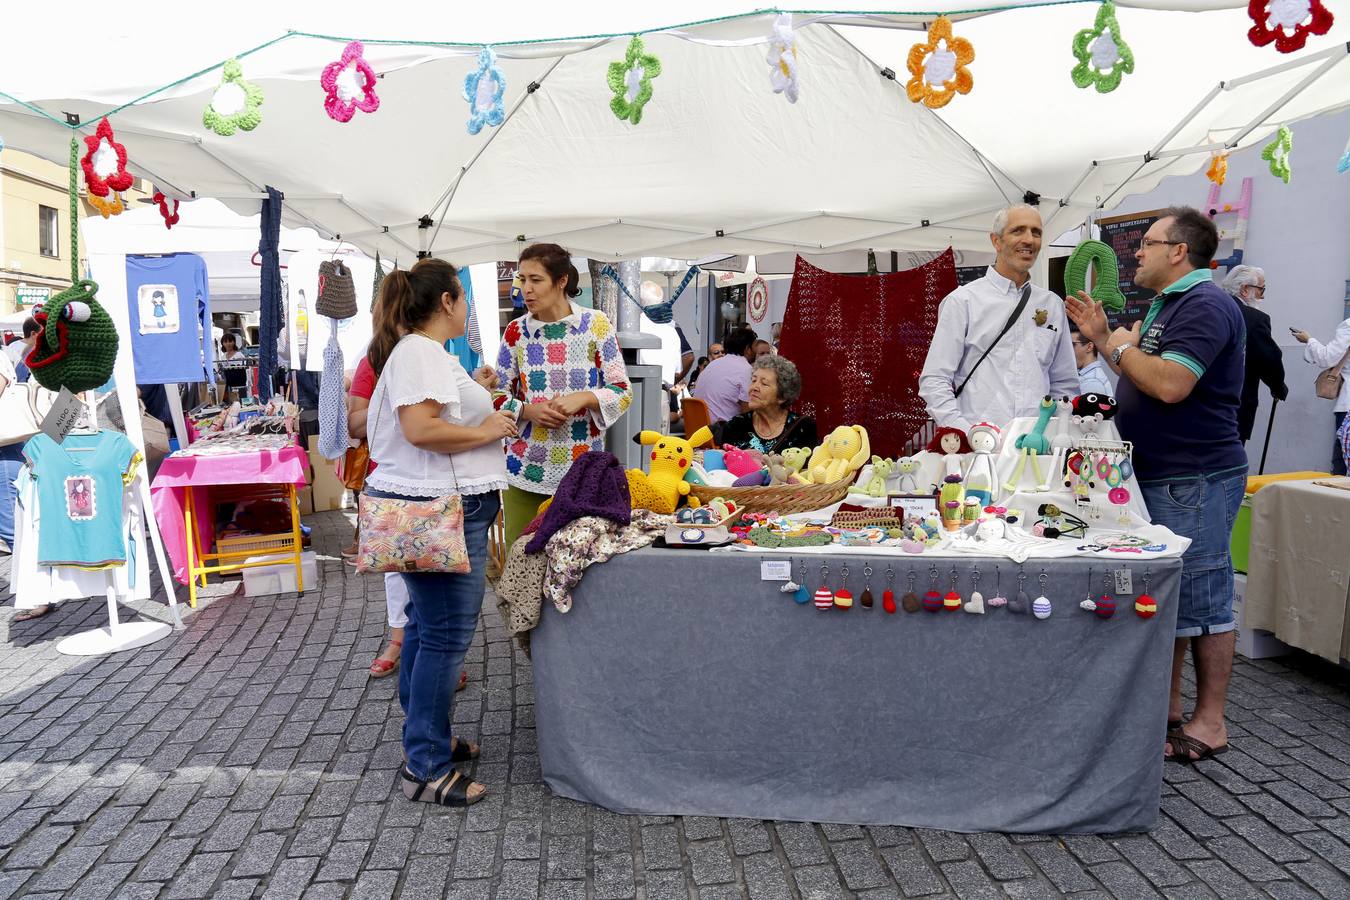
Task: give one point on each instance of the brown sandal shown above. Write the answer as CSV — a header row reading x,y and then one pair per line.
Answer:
x,y
1183,745
452,789
36,612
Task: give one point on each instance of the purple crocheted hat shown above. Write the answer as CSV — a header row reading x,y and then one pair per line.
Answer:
x,y
594,486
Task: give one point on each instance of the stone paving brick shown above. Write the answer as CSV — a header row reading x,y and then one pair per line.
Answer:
x,y
289,880
199,876
1123,881
969,881
567,857
943,846
765,878
67,868
818,883
1222,879
166,859
801,842
614,878
998,855
710,862
912,871
1056,863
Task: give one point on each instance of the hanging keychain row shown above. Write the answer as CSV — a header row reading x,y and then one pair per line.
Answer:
x,y
934,600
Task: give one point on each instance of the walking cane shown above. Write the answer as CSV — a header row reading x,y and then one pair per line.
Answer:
x,y
1270,426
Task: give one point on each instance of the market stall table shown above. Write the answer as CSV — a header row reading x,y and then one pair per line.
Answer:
x,y
1298,568
681,683
182,498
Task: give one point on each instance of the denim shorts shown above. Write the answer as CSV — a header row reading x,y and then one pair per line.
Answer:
x,y
1202,508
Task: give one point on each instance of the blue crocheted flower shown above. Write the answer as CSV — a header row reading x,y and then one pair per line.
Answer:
x,y
484,88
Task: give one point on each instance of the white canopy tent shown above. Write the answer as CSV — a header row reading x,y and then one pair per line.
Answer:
x,y
719,163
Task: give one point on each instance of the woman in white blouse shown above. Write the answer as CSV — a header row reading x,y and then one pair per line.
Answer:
x,y
1335,352
432,431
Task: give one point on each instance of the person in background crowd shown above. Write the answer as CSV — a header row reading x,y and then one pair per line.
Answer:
x,y
1033,359
17,350
698,370
11,460
762,348
725,385
235,378
1178,395
1264,360
1324,356
433,431
716,351
769,425
1092,370
562,362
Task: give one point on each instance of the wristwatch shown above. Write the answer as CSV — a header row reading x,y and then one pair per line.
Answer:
x,y
1116,353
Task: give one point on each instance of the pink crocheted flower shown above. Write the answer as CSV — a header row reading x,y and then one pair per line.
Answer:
x,y
350,85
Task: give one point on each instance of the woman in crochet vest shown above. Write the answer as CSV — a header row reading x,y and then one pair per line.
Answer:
x,y
562,362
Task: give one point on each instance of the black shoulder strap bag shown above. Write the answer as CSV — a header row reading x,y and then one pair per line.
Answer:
x,y
1007,326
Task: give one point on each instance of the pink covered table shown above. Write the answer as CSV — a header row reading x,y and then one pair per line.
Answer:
x,y
180,498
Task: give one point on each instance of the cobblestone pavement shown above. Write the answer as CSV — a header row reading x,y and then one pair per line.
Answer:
x,y
250,756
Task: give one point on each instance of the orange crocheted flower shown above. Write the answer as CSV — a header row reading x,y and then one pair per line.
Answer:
x,y
939,68
1218,168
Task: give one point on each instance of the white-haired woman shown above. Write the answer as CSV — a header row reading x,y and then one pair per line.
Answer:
x,y
769,425
1265,361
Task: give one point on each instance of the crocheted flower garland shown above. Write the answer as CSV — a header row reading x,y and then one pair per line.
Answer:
x,y
1287,22
1218,168
170,218
484,88
631,81
1103,56
782,58
1277,154
349,84
234,104
105,170
939,68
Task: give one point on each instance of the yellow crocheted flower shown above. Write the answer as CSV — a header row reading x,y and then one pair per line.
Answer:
x,y
939,68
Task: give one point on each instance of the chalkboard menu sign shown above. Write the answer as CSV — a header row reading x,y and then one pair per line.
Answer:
x,y
1123,235
967,274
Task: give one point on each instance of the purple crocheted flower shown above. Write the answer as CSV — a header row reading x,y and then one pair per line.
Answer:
x,y
349,84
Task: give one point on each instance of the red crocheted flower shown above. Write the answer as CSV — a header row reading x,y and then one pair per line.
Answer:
x,y
170,218
1287,22
105,162
350,85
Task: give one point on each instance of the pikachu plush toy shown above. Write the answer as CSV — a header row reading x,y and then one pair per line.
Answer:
x,y
662,489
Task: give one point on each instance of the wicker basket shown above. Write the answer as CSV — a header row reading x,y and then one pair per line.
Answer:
x,y
782,498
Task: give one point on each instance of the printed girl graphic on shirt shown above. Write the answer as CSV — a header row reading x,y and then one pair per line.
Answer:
x,y
158,307
157,300
80,498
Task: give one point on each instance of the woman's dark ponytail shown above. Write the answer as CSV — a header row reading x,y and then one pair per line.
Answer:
x,y
557,262
407,300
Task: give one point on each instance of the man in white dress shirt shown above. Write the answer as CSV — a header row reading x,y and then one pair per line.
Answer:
x,y
1034,358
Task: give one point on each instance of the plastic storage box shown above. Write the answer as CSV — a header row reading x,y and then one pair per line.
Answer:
x,y
280,578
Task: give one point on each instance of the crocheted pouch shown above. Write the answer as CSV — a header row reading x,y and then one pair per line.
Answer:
x,y
77,346
337,293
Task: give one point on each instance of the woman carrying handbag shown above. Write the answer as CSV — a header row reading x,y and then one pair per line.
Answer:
x,y
427,507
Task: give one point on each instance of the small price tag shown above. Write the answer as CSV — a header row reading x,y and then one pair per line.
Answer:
x,y
775,570
1124,583
63,415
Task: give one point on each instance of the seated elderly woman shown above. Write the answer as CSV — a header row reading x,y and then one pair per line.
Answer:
x,y
769,425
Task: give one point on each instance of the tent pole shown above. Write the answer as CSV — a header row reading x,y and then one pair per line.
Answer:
x,y
321,228
1341,48
393,237
1188,118
1280,103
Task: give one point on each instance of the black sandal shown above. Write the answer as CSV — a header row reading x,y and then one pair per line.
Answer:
x,y
452,789
464,751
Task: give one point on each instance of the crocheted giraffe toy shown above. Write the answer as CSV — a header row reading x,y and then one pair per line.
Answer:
x,y
1033,444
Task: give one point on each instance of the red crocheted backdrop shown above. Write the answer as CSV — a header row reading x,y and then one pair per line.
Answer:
x,y
860,342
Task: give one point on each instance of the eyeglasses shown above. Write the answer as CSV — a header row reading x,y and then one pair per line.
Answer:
x,y
1149,242
1260,289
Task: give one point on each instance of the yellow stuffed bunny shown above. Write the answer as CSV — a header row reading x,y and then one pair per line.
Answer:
x,y
842,454
662,489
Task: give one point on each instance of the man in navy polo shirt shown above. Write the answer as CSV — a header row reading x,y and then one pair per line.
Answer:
x,y
1180,388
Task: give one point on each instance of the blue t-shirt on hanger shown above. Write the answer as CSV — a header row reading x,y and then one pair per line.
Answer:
x,y
170,306
79,494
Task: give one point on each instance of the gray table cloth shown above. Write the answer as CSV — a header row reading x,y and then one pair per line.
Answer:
x,y
682,684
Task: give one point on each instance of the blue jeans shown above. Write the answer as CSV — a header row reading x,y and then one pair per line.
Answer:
x,y
11,460
442,615
1202,508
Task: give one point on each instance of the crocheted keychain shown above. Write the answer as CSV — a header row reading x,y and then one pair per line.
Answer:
x,y
976,602
932,600
1103,56
865,599
998,599
910,602
349,85
1088,604
1145,607
888,595
485,89
951,601
824,597
630,80
800,592
1106,607
1277,154
1040,607
1287,23
1020,604
842,598
234,105
938,66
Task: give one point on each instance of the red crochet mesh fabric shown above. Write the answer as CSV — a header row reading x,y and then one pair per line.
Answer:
x,y
860,342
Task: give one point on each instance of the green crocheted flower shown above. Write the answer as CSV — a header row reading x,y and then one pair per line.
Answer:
x,y
234,105
1103,56
1277,154
631,81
